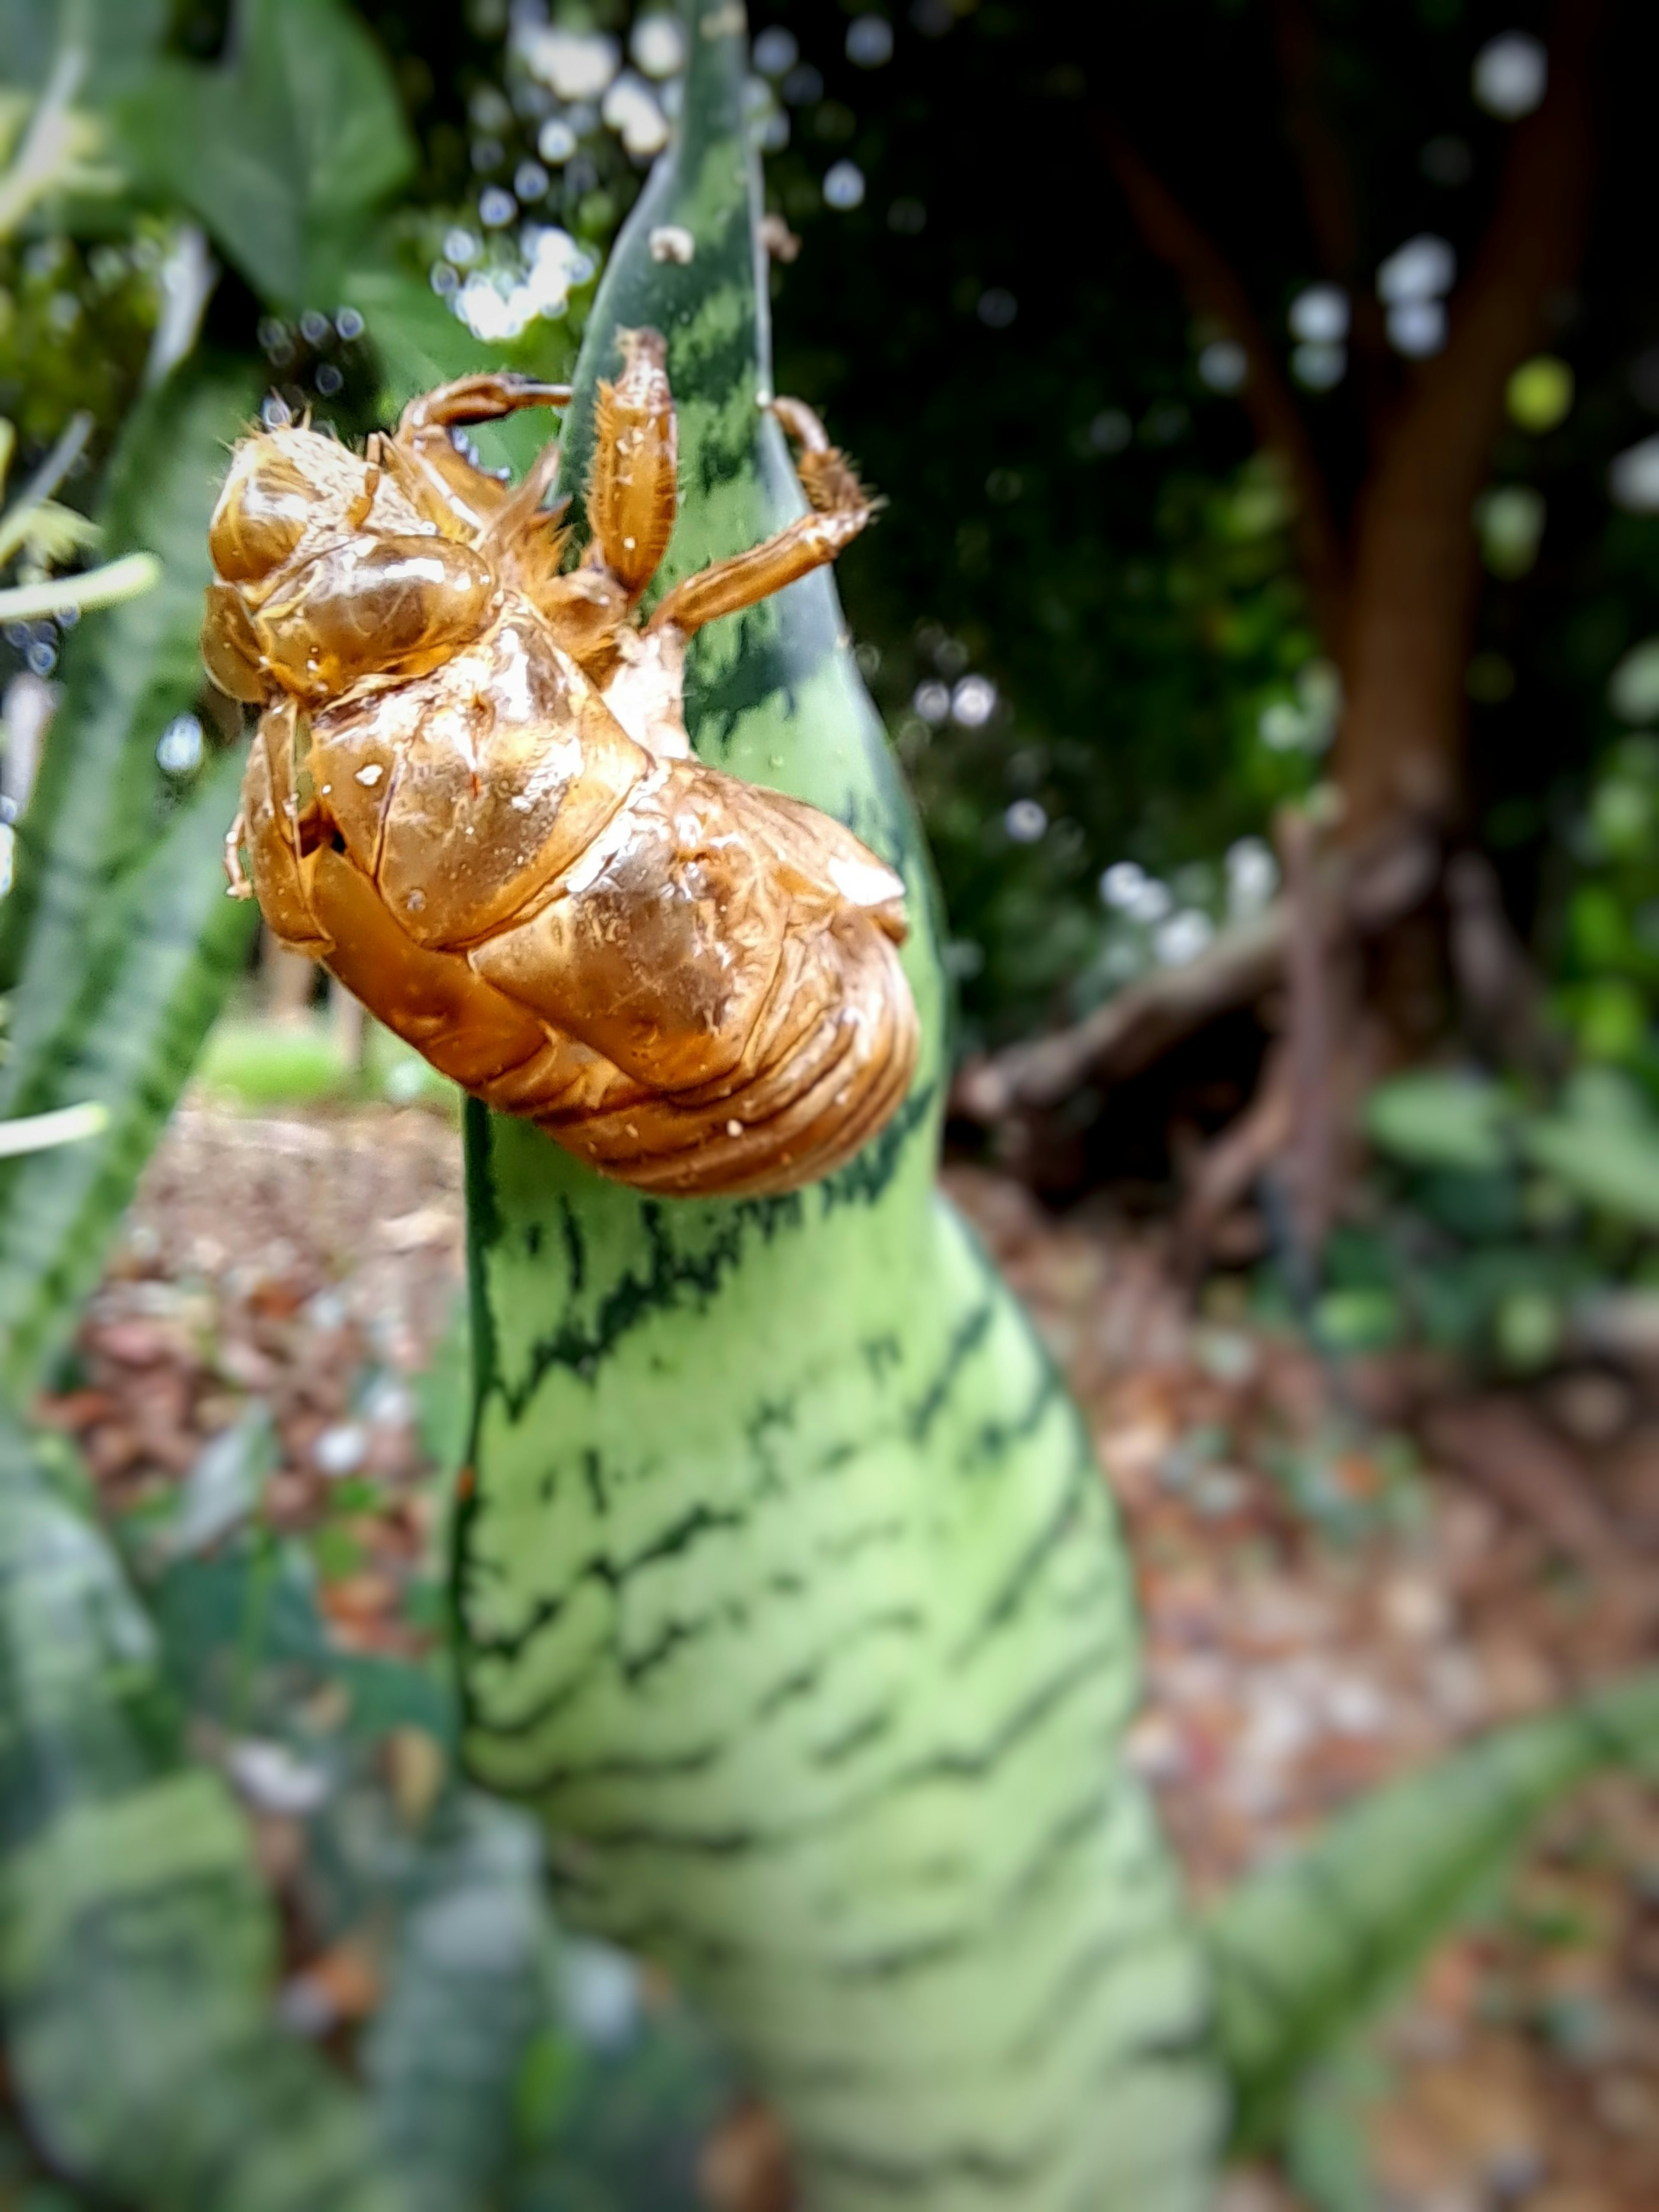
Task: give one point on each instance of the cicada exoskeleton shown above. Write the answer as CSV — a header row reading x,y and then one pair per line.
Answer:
x,y
470,794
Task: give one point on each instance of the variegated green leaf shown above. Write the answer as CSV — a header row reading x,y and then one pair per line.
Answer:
x,y
790,1589
473,1986
162,957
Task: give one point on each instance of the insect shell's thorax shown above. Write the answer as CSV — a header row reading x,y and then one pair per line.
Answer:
x,y
290,493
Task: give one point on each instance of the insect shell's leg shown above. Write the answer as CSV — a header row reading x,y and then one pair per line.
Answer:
x,y
634,495
236,883
587,610
841,508
361,508
481,399
526,539
464,500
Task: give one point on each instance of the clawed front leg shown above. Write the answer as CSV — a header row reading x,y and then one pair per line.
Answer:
x,y
482,399
464,500
841,508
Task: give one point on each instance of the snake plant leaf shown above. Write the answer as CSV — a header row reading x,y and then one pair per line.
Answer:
x,y
789,1588
473,1986
137,1948
122,943
163,953
101,799
1326,2150
1307,1950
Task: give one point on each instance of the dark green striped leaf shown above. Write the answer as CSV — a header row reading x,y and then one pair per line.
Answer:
x,y
102,801
165,951
472,1987
1306,1951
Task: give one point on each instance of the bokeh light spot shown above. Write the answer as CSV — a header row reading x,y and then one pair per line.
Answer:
x,y
1539,393
1511,75
843,186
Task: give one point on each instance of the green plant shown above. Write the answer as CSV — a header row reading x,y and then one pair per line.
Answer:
x,y
116,941
782,1547
135,1942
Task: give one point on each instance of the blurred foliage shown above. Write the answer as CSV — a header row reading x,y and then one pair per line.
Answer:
x,y
1608,972
252,1061
1498,1218
77,321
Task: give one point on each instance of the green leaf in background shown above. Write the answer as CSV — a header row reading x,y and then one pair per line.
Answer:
x,y
284,152
1309,1949
137,1946
101,798
1434,1120
1602,1146
1326,2150
790,1589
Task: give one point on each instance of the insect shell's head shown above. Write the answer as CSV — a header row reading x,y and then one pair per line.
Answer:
x,y
282,485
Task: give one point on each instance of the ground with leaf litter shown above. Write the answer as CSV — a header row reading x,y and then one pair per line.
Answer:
x,y
1327,1604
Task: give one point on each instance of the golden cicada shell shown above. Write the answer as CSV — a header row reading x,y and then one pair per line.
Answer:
x,y
470,794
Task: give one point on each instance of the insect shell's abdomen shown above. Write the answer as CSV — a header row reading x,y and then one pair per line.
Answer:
x,y
689,982
829,1068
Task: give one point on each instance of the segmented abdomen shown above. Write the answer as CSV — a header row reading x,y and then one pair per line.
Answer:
x,y
689,982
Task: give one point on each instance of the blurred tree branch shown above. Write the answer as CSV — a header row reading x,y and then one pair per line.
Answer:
x,y
1329,195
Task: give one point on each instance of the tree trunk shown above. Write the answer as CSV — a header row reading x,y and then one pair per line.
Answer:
x,y
1411,604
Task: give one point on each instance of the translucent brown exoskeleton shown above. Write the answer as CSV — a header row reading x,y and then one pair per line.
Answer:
x,y
470,794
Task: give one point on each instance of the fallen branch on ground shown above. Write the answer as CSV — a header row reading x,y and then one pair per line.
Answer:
x,y
1376,888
